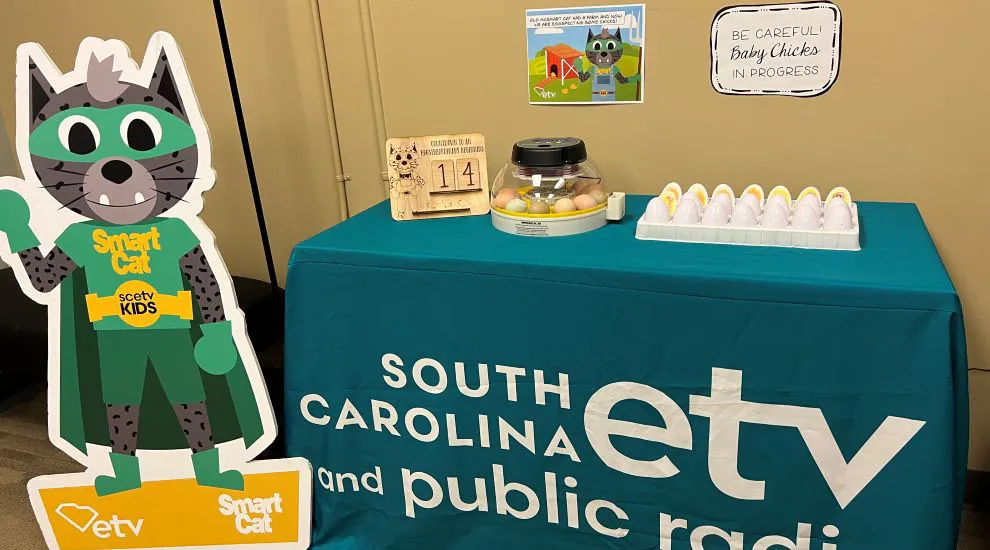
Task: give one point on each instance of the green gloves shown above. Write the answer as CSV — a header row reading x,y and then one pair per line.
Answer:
x,y
215,352
14,218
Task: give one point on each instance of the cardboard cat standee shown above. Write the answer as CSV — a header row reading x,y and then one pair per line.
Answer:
x,y
153,383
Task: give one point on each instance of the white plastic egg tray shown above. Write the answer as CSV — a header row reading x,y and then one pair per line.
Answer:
x,y
752,236
756,235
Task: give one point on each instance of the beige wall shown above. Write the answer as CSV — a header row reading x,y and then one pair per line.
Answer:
x,y
278,64
8,166
905,122
7,163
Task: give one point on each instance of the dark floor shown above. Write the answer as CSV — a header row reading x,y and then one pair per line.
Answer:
x,y
975,531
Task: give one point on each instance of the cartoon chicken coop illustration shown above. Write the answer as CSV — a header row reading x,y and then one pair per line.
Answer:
x,y
562,63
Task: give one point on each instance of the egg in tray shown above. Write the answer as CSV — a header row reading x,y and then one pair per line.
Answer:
x,y
754,218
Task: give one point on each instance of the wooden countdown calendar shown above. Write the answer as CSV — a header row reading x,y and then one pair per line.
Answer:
x,y
437,176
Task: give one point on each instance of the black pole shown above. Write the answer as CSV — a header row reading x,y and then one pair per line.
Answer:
x,y
245,144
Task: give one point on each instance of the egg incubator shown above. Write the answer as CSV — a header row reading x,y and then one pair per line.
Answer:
x,y
753,218
552,189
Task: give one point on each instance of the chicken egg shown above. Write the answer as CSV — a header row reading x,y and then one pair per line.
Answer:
x,y
716,214
501,200
674,189
753,203
690,197
812,202
723,189
726,200
582,186
700,193
784,193
516,205
756,191
806,218
539,207
810,190
838,218
840,193
775,216
584,202
833,204
687,212
779,200
743,216
657,211
563,206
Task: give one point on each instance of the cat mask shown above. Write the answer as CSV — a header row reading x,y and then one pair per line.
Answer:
x,y
109,141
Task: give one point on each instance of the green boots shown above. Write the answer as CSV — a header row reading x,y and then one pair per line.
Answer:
x,y
206,464
127,475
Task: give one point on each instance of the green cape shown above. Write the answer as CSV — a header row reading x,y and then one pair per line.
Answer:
x,y
231,403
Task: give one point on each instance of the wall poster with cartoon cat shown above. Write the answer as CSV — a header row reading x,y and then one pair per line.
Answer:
x,y
153,383
586,55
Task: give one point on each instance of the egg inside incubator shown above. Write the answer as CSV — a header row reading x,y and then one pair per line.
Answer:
x,y
550,189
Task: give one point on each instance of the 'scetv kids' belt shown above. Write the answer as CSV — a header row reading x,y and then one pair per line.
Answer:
x,y
139,305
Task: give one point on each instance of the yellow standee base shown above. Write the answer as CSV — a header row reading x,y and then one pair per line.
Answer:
x,y
272,511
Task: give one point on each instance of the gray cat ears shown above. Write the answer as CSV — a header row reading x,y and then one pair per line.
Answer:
x,y
41,90
163,82
605,34
103,83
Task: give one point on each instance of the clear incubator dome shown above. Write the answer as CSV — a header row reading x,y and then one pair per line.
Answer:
x,y
548,179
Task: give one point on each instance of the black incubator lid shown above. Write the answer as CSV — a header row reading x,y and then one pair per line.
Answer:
x,y
549,152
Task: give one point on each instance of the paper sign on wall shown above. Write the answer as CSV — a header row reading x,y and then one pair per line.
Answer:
x,y
586,55
783,49
153,383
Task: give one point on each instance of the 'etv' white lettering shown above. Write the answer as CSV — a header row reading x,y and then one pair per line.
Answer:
x,y
727,410
599,427
85,519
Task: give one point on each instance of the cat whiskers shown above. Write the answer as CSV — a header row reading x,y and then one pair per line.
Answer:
x,y
61,185
169,196
59,168
167,165
61,171
66,205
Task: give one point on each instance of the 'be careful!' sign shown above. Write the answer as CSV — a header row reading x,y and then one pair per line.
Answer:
x,y
786,49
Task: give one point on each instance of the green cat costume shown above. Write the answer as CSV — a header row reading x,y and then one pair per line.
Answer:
x,y
82,413
144,366
145,372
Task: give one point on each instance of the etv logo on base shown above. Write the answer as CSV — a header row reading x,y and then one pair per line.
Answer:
x,y
84,518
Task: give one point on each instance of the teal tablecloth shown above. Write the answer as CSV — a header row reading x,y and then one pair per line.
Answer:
x,y
750,398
